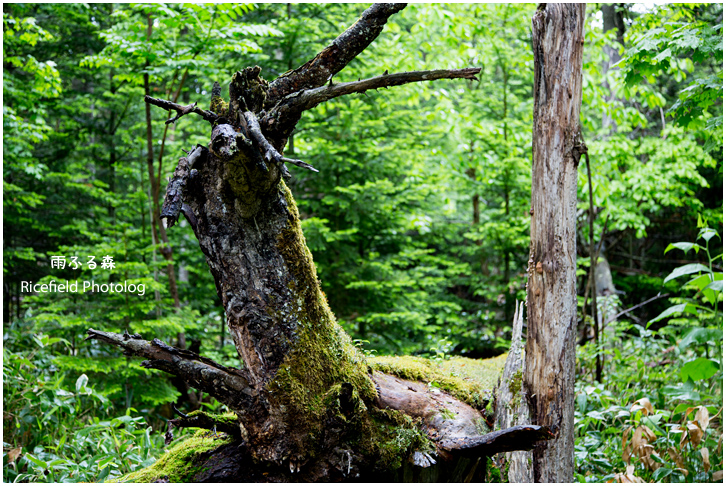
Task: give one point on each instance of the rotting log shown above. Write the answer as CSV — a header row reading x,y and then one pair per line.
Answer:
x,y
307,404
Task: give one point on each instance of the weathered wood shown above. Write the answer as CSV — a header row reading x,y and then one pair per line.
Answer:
x,y
557,41
512,406
517,438
174,199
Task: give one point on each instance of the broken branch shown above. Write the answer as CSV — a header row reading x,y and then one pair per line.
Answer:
x,y
517,438
181,110
228,385
293,105
269,153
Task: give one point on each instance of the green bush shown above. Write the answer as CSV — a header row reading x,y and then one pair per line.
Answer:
x,y
56,433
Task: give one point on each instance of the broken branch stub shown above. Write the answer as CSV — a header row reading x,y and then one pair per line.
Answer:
x,y
174,199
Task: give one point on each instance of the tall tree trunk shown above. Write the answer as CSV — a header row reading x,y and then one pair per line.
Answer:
x,y
557,38
612,17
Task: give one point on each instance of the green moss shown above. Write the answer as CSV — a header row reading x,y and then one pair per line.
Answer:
x,y
495,474
393,436
323,356
515,386
229,418
467,379
180,463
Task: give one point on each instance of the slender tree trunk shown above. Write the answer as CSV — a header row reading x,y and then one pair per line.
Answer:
x,y
158,230
557,38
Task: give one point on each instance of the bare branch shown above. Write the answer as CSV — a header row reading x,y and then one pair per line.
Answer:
x,y
283,117
269,153
181,110
613,318
313,97
228,385
299,163
336,56
517,438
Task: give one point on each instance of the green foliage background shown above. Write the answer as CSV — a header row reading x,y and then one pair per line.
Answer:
x,y
408,264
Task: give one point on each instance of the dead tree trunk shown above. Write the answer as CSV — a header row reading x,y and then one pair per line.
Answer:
x,y
307,405
557,38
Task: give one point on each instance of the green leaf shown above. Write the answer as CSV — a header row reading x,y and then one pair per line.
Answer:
x,y
699,369
103,474
661,473
688,308
700,335
81,383
596,415
707,234
37,461
716,285
682,245
683,392
686,270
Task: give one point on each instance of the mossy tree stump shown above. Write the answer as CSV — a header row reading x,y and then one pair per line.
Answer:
x,y
307,405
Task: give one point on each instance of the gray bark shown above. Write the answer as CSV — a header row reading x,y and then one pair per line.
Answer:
x,y
512,407
557,38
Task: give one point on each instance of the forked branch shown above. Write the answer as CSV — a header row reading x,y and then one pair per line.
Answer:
x,y
331,60
269,153
181,110
228,385
285,115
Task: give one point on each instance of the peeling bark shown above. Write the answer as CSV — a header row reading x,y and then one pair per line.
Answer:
x,y
557,41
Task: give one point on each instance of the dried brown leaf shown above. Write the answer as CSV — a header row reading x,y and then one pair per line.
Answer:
x,y
648,434
702,417
13,454
626,436
637,438
694,432
704,457
720,444
676,457
644,453
627,451
718,475
643,403
684,437
629,476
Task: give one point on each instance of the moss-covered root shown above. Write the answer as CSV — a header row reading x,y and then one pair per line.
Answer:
x,y
469,380
227,423
182,462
